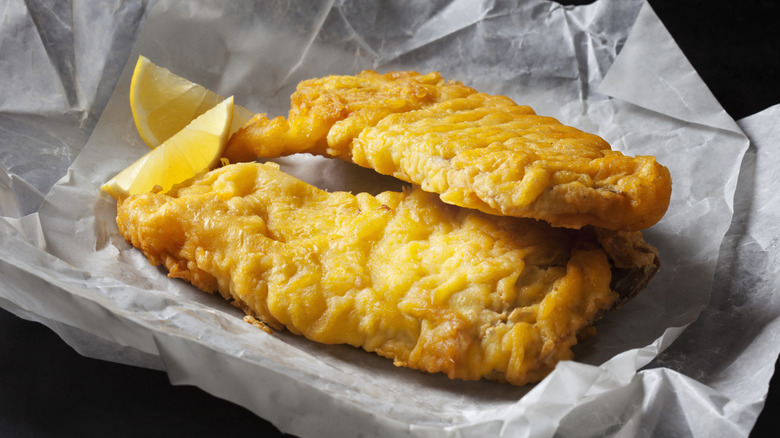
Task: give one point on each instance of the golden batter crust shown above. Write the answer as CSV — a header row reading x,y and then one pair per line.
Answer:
x,y
475,150
432,286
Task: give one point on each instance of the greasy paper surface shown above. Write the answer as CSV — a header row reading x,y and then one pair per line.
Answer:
x,y
608,68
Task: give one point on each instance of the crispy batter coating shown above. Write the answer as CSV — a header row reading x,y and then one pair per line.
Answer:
x,y
433,286
475,150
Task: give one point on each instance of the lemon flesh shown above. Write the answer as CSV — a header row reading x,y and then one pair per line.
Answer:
x,y
163,103
197,147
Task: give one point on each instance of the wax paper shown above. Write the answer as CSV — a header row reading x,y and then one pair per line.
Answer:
x,y
672,361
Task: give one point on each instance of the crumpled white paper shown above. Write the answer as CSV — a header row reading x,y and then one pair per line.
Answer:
x,y
609,68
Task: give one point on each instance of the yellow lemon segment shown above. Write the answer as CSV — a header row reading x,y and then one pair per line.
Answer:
x,y
163,103
195,148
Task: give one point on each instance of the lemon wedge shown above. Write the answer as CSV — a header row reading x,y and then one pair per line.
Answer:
x,y
163,103
197,147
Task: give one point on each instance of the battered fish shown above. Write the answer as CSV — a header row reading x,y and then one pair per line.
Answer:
x,y
475,150
433,286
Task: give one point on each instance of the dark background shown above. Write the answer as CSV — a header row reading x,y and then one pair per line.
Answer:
x,y
47,389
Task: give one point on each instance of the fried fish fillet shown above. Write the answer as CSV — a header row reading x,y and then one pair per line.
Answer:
x,y
475,150
433,286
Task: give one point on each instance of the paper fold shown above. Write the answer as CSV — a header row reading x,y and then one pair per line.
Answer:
x,y
660,78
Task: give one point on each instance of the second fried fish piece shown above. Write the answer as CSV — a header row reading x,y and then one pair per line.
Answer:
x,y
473,149
434,287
